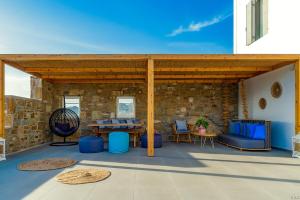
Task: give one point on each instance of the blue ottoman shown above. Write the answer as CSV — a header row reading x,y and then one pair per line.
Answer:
x,y
91,144
157,141
118,142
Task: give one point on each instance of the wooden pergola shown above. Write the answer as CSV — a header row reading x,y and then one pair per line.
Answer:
x,y
147,69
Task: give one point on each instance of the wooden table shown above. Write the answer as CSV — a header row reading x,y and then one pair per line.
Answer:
x,y
208,135
134,132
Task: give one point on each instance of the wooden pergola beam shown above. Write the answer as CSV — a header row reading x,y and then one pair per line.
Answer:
x,y
83,69
139,69
208,81
135,76
203,76
67,57
108,81
213,69
21,68
138,81
150,107
116,76
2,99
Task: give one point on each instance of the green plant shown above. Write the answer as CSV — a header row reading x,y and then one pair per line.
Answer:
x,y
201,121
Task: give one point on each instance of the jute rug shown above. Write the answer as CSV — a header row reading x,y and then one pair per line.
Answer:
x,y
46,164
81,176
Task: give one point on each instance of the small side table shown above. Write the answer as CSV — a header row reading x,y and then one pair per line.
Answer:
x,y
2,154
210,136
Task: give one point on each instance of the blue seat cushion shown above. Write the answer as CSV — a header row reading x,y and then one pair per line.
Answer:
x,y
123,121
243,129
137,121
260,132
234,128
129,121
241,141
250,129
62,126
181,126
115,121
100,121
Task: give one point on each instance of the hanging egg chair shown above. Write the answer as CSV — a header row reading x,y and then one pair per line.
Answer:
x,y
64,122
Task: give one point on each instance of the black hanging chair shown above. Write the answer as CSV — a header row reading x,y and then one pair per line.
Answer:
x,y
64,123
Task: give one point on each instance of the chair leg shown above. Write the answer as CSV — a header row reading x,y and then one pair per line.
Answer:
x,y
212,142
177,139
190,139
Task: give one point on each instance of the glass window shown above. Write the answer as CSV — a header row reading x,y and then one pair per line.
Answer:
x,y
125,107
73,103
257,20
17,83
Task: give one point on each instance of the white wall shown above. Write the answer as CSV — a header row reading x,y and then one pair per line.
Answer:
x,y
284,29
280,111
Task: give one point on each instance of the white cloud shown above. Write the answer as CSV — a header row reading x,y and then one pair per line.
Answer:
x,y
195,27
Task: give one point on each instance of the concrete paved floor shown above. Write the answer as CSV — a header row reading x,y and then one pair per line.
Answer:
x,y
182,171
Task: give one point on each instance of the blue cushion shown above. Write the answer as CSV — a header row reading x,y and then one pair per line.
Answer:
x,y
260,132
123,121
137,121
130,121
234,128
181,131
115,121
243,129
181,126
250,129
100,121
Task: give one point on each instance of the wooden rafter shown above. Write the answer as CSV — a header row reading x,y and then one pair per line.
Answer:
x,y
83,69
86,81
245,57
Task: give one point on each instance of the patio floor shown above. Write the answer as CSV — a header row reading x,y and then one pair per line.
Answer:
x,y
179,171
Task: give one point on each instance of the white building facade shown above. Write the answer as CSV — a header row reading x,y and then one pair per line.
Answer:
x,y
270,27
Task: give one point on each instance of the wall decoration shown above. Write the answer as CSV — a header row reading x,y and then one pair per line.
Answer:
x,y
262,103
276,90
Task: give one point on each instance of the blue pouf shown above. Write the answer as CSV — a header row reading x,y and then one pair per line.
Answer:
x,y
157,141
118,142
91,144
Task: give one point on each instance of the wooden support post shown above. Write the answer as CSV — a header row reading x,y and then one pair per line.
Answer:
x,y
2,98
150,107
297,97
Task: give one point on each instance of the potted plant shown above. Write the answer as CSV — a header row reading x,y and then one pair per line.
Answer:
x,y
202,125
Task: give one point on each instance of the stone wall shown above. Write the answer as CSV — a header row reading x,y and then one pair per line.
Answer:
x,y
26,120
172,101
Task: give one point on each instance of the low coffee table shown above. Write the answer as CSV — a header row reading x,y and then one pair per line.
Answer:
x,y
209,135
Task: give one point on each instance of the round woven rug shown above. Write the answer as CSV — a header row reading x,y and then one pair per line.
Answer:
x,y
81,176
46,164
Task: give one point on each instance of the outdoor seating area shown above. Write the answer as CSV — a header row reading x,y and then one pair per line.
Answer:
x,y
248,135
132,126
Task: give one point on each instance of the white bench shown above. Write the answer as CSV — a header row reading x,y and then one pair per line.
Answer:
x,y
2,143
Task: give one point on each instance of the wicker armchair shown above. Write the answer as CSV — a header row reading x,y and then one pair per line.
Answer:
x,y
182,135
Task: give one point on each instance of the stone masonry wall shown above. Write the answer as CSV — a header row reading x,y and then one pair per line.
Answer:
x,y
26,120
172,101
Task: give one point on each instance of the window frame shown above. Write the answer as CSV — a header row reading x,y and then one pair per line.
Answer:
x,y
117,107
256,20
72,97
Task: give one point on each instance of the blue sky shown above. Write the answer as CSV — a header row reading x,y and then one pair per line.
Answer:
x,y
116,26
111,26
